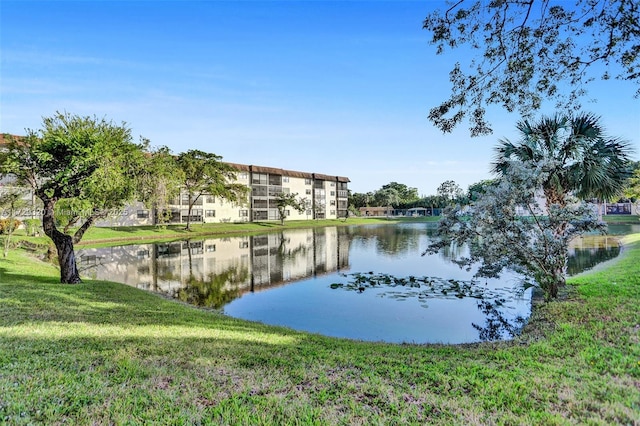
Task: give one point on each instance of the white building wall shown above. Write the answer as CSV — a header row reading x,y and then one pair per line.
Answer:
x,y
304,188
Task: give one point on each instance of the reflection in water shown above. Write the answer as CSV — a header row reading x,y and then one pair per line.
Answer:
x,y
404,301
498,325
213,291
588,251
213,272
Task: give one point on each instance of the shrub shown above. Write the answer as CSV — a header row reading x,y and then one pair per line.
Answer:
x,y
32,226
7,226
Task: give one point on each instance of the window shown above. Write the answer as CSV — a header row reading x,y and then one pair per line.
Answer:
x,y
307,181
244,213
259,191
275,180
274,191
259,179
332,212
210,199
307,191
333,184
243,175
260,215
243,244
332,202
143,214
332,193
259,204
210,213
211,248
285,179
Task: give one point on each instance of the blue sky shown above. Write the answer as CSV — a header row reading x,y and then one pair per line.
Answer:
x,y
340,88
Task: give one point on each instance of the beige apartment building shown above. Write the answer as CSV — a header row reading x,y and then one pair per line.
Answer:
x,y
325,197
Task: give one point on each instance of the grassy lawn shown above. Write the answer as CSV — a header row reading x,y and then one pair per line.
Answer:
x,y
123,234
106,353
621,218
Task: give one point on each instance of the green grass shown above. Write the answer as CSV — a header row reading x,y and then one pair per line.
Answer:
x,y
622,219
123,234
105,353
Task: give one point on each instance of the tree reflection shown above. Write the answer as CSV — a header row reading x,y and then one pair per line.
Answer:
x,y
215,290
497,325
582,259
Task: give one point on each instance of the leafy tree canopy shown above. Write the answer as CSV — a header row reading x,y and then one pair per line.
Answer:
x,y
528,50
205,173
82,161
159,182
476,190
405,193
632,189
449,190
284,200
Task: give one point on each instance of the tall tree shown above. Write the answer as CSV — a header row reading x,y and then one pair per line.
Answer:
x,y
387,197
406,194
159,182
526,51
75,158
358,199
205,174
583,160
449,191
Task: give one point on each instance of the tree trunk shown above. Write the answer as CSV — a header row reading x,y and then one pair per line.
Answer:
x,y
63,242
67,259
189,208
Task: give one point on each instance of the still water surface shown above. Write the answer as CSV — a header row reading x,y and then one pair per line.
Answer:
x,y
360,282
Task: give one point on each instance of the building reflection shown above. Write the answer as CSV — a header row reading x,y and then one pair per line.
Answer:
x,y
212,272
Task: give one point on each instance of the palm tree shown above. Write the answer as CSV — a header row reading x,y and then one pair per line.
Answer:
x,y
586,162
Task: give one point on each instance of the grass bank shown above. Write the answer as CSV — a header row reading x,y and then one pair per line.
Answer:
x,y
106,353
124,234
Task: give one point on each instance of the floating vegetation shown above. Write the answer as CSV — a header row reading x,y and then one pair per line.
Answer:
x,y
424,287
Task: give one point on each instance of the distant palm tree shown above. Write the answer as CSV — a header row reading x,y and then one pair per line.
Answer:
x,y
587,162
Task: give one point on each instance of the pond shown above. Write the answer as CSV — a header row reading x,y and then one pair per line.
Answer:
x,y
361,282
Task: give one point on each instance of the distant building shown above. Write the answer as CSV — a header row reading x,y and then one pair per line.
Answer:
x,y
326,197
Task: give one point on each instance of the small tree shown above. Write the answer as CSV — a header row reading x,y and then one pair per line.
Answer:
x,y
509,227
284,200
86,159
11,201
204,173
